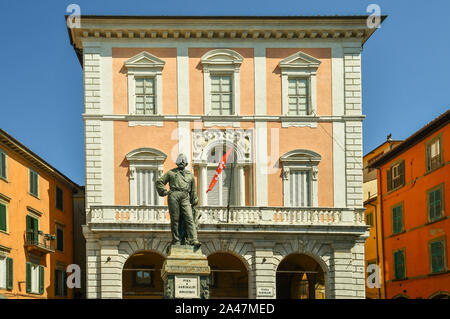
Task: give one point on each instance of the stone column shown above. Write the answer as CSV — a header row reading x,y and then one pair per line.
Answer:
x,y
264,271
342,283
92,265
203,181
241,177
111,270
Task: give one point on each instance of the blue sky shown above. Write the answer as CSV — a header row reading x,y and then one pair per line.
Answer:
x,y
406,66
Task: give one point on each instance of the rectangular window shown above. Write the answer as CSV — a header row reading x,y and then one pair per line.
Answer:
x,y
300,188
59,238
437,256
3,165
34,183
434,154
396,176
145,95
32,230
399,264
59,198
3,217
221,95
397,219
435,203
143,278
146,190
60,283
34,278
298,96
369,219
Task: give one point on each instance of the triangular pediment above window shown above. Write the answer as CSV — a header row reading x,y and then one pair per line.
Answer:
x,y
222,56
145,60
300,60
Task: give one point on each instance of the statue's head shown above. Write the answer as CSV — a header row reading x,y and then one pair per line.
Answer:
x,y
182,161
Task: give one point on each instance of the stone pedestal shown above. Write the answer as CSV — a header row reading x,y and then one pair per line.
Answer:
x,y
185,273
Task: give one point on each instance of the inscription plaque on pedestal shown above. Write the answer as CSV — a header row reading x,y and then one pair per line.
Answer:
x,y
187,287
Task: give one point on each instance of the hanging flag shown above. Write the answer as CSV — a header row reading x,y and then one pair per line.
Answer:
x,y
219,169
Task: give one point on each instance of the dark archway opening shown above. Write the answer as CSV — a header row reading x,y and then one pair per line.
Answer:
x,y
141,276
300,277
229,276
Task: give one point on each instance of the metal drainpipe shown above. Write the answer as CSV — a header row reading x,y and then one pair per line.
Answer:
x,y
376,232
380,192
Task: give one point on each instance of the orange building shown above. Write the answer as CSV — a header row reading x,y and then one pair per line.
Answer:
x,y
374,244
36,232
413,180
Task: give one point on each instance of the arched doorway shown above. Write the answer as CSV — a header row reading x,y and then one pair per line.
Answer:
x,y
229,276
440,295
141,276
300,277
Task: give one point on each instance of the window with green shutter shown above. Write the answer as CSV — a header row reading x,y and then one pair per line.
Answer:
x,y
397,219
60,283
396,175
434,157
34,183
435,205
3,225
59,198
399,264
41,279
437,254
9,274
32,230
28,277
3,165
369,219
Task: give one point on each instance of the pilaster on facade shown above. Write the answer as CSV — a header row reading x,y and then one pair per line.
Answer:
x,y
111,269
264,269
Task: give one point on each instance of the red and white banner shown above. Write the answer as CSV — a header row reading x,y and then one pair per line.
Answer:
x,y
219,169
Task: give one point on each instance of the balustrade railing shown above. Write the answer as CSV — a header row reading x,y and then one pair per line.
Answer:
x,y
233,215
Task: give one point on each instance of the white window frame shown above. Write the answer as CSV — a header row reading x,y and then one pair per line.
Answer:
x,y
221,62
144,158
304,160
34,278
299,65
145,65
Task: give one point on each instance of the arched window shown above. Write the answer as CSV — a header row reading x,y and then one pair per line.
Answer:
x,y
300,170
234,185
146,165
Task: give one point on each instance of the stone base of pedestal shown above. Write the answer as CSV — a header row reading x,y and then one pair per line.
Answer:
x,y
185,273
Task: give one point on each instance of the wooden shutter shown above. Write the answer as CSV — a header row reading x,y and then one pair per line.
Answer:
x,y
389,179
28,278
402,173
2,217
56,282
59,239
41,279
2,165
437,257
399,265
9,274
64,282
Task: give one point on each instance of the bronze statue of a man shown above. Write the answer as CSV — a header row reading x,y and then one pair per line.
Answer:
x,y
182,198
